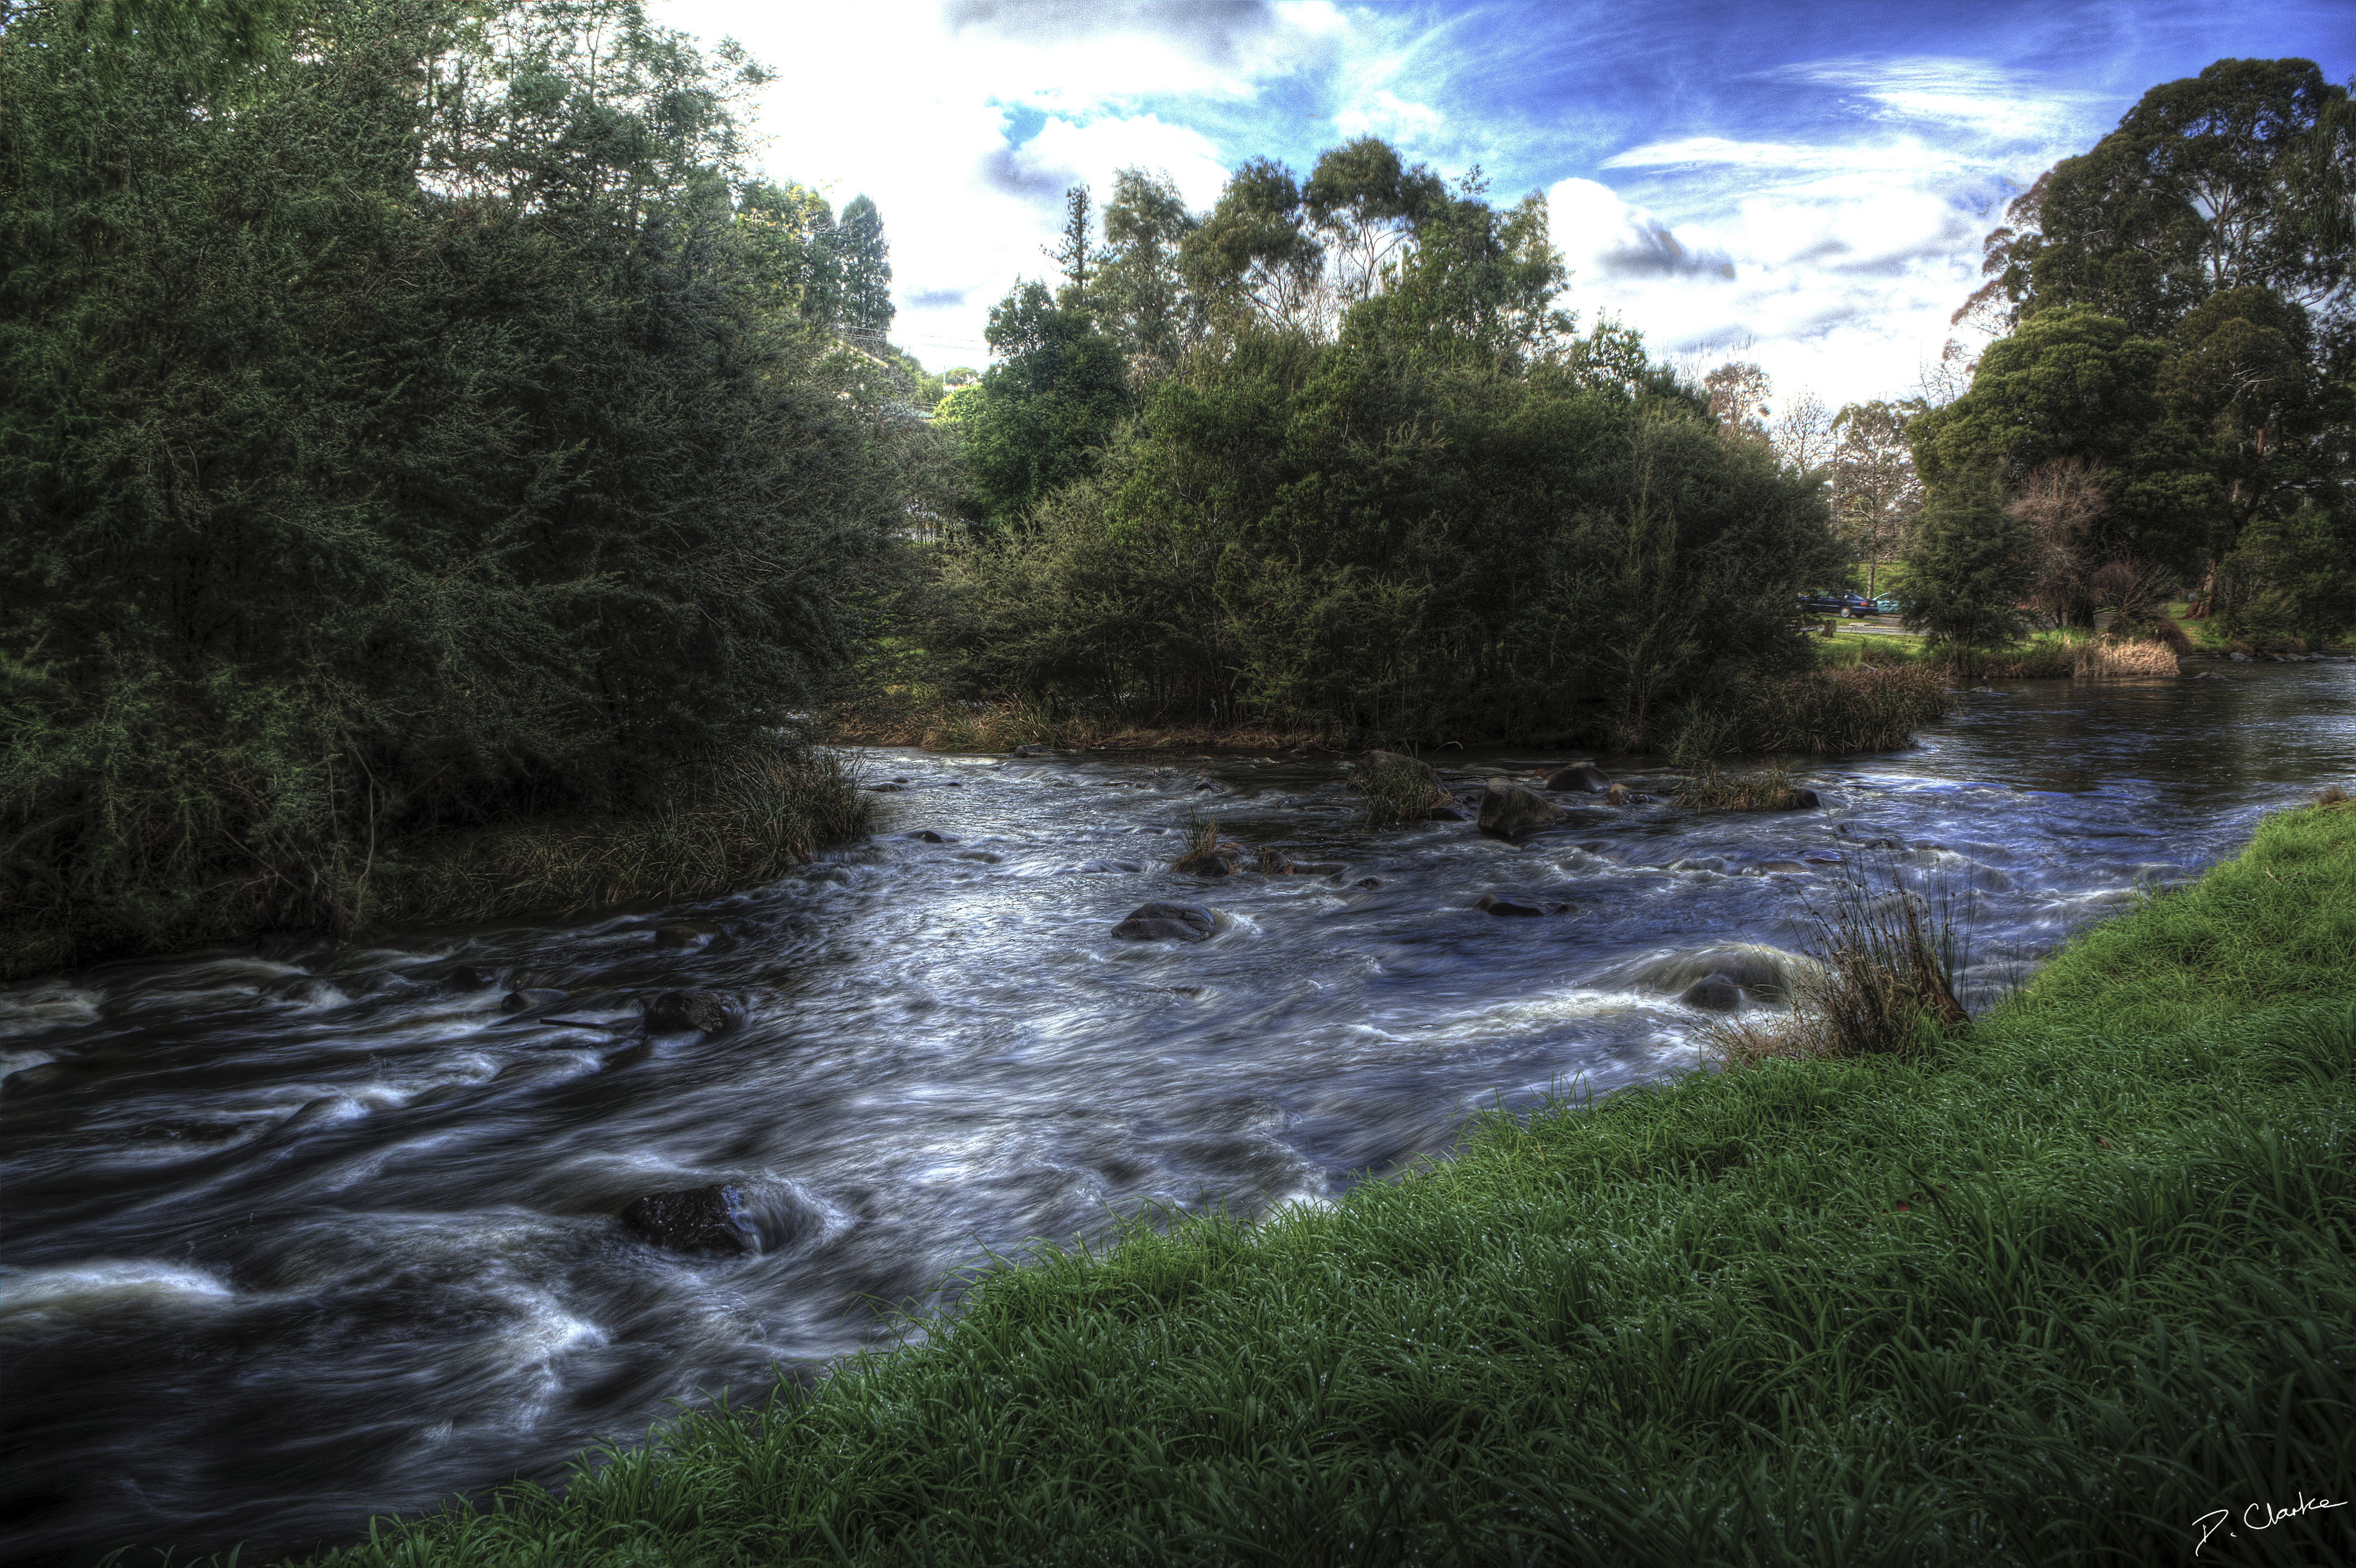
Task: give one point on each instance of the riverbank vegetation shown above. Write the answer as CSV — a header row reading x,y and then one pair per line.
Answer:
x,y
2167,402
423,431
2054,1286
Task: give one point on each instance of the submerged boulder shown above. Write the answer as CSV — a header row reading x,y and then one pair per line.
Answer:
x,y
683,936
1524,907
1713,993
1507,808
671,1012
694,1220
531,999
1162,921
1584,776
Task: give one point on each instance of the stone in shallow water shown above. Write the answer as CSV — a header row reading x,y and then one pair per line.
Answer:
x,y
1508,808
1160,921
669,1012
1713,993
694,1220
1581,776
1510,906
526,1001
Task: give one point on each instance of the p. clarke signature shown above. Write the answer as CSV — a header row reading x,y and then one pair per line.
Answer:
x,y
2258,1515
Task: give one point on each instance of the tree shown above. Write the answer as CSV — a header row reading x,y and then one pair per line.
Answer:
x,y
1044,412
1367,207
1876,494
864,260
402,426
1971,563
2063,500
1253,257
1072,253
2210,183
1141,292
2076,383
1737,393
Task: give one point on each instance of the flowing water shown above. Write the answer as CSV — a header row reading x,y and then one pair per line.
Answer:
x,y
298,1235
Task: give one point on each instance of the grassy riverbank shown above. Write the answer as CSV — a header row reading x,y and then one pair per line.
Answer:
x,y
2054,1292
744,821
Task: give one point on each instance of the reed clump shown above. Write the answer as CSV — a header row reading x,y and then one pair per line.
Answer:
x,y
1396,789
1883,983
2113,658
742,819
945,724
1768,788
1865,706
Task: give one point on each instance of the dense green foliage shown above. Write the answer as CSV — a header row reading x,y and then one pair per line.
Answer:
x,y
1380,488
402,426
2174,397
2055,1291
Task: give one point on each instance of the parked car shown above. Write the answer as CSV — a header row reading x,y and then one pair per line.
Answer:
x,y
1891,605
1829,603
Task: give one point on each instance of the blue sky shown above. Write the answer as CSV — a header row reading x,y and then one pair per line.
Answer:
x,y
1804,185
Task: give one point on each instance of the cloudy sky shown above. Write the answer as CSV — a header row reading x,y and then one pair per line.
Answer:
x,y
1811,178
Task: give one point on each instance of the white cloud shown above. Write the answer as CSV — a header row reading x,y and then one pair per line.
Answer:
x,y
966,120
1385,113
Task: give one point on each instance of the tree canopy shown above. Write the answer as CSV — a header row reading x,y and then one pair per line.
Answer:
x,y
410,417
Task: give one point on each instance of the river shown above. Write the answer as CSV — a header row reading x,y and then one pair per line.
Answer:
x,y
298,1235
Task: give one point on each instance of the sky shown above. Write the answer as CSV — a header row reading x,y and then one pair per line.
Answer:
x,y
1801,184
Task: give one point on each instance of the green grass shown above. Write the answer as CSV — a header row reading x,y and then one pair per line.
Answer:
x,y
2046,1292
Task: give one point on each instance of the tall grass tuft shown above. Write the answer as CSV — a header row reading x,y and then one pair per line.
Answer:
x,y
1396,790
1769,788
1883,983
1865,706
2111,658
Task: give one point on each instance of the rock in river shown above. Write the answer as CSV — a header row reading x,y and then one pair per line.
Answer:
x,y
1509,906
1507,808
1713,993
1581,776
695,1219
670,1012
1160,922
527,1000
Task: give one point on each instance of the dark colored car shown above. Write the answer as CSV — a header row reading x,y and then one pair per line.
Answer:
x,y
1849,605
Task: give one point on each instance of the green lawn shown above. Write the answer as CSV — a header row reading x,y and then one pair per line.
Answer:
x,y
2053,1295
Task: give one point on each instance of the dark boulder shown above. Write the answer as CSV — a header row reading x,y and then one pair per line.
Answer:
x,y
930,837
683,936
1033,750
1507,808
695,1219
1271,863
1584,776
532,1000
1160,921
672,1012
1713,993
1523,907
1803,799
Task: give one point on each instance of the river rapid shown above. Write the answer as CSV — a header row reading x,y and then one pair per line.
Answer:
x,y
298,1235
